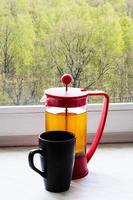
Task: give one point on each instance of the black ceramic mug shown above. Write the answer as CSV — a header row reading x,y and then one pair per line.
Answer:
x,y
56,149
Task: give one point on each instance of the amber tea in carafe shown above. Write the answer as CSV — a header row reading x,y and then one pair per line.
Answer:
x,y
70,119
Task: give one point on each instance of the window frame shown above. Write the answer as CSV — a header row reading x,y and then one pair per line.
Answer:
x,y
21,125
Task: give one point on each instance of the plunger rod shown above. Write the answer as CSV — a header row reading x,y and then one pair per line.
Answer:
x,y
66,79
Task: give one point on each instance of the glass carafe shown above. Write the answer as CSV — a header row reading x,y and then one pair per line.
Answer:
x,y
74,120
66,110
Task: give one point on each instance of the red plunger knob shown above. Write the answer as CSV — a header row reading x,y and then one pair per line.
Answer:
x,y
66,79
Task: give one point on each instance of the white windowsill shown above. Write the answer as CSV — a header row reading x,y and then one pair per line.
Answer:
x,y
110,176
21,125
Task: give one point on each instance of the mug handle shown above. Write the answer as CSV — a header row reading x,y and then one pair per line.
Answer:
x,y
101,125
31,160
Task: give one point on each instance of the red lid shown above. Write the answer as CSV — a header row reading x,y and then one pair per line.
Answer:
x,y
64,96
59,97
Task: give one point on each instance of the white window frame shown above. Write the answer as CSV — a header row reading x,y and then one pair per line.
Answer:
x,y
21,125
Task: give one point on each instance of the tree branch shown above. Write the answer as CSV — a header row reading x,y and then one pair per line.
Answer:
x,y
99,76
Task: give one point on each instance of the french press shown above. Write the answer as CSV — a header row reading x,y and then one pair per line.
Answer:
x,y
66,110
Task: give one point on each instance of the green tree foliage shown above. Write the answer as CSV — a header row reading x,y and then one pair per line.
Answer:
x,y
40,40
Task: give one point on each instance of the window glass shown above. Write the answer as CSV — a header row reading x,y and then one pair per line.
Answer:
x,y
42,39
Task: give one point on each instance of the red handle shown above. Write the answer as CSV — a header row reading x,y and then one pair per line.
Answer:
x,y
100,128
